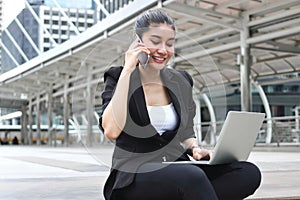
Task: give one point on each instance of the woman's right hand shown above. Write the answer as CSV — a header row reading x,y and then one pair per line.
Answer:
x,y
201,154
131,55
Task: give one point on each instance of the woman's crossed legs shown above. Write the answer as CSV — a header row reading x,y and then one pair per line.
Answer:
x,y
192,182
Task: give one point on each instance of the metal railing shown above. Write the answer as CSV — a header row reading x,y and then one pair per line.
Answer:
x,y
284,130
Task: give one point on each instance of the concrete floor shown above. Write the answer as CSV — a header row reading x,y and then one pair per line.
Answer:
x,y
54,173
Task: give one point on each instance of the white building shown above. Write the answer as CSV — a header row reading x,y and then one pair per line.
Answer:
x,y
62,28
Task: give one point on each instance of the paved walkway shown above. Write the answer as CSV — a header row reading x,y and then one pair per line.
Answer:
x,y
54,173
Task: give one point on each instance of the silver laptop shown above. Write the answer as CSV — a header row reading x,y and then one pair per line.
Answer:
x,y
236,138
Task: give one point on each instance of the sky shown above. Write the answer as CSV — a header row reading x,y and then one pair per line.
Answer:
x,y
10,9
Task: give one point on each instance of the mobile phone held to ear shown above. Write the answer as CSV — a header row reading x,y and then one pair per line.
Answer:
x,y
143,57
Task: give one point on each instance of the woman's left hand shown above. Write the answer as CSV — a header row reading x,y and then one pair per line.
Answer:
x,y
201,154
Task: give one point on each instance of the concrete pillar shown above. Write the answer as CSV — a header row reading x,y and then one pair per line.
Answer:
x,y
297,126
50,115
66,114
38,120
245,64
89,107
24,122
30,121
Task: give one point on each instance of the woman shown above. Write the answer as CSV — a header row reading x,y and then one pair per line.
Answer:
x,y
149,110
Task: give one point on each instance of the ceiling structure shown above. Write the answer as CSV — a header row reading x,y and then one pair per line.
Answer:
x,y
210,34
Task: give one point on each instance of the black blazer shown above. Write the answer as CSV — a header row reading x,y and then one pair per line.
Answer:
x,y
139,142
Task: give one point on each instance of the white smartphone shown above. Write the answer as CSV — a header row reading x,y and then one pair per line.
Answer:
x,y
143,57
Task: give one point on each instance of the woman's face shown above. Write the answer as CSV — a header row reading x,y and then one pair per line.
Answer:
x,y
159,39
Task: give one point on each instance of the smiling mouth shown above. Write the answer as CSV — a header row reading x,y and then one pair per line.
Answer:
x,y
160,59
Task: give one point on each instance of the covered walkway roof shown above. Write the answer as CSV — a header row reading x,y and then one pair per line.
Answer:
x,y
211,37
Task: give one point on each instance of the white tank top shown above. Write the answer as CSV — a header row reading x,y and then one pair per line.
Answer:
x,y
163,118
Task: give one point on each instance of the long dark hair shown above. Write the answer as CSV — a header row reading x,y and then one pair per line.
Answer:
x,y
152,16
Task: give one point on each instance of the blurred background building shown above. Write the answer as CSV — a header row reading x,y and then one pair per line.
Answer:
x,y
26,38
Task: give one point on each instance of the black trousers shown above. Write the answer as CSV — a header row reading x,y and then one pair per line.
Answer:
x,y
233,181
